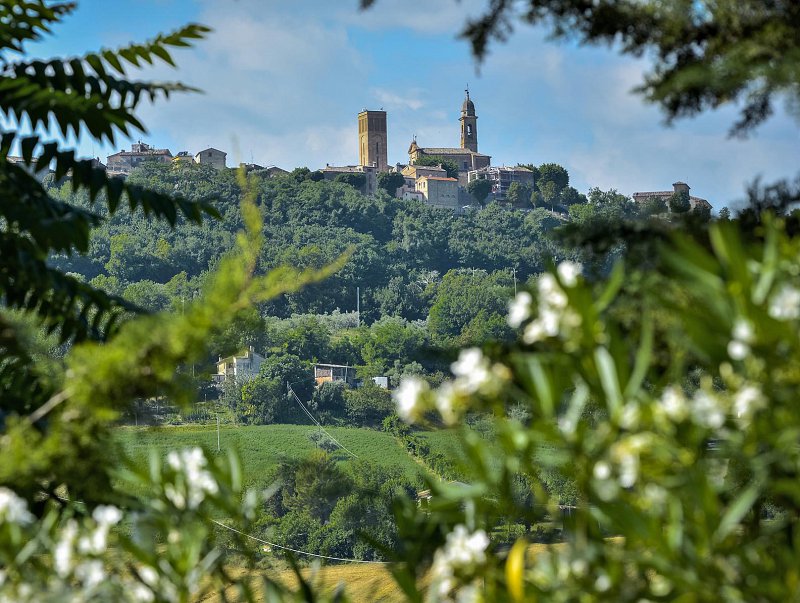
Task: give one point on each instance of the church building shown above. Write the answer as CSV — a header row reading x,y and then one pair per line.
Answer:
x,y
467,157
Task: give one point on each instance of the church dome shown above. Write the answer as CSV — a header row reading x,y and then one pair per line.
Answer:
x,y
468,107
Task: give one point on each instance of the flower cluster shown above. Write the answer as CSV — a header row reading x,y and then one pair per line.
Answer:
x,y
13,509
474,374
710,409
555,316
621,468
194,482
785,303
79,549
742,338
456,563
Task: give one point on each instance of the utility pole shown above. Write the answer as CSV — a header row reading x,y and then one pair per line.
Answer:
x,y
217,431
358,306
514,272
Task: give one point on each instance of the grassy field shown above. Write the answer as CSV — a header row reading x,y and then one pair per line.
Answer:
x,y
262,447
361,582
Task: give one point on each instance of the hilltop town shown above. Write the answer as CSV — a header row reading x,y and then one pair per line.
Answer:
x,y
454,178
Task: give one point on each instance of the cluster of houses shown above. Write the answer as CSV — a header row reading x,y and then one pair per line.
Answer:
x,y
247,365
122,163
430,184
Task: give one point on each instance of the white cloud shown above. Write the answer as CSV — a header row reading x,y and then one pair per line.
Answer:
x,y
420,16
285,81
393,100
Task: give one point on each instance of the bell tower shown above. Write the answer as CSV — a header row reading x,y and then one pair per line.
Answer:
x,y
469,125
372,139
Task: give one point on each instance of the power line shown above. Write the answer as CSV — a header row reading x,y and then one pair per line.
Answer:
x,y
299,552
310,416
261,540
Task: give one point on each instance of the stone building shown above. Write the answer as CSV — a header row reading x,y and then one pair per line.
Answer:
x,y
502,177
665,196
439,192
372,140
211,156
121,164
370,172
466,157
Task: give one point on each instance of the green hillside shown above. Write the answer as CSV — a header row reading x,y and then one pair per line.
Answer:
x,y
262,447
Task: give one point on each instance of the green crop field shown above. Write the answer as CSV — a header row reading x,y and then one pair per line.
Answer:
x,y
262,447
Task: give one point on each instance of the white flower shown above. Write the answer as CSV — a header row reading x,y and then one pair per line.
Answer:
x,y
747,401
140,593
549,320
446,397
191,463
13,509
738,350
472,369
175,496
785,304
629,418
63,551
654,495
674,403
550,292
707,410
519,309
602,583
95,543
569,272
602,470
408,398
470,593
107,515
90,573
534,332
628,469
743,336
743,331
465,550
148,575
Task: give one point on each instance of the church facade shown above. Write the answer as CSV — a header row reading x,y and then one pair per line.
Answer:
x,y
466,157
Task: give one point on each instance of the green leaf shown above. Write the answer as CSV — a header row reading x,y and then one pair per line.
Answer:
x,y
608,379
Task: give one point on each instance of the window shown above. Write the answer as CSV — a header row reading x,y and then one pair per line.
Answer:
x,y
469,130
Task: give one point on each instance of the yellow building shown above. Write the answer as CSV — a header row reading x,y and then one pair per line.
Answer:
x,y
372,140
439,192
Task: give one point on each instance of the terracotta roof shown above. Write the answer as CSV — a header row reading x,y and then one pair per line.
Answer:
x,y
438,178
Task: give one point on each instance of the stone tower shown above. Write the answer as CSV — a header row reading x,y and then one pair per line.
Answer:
x,y
372,139
469,125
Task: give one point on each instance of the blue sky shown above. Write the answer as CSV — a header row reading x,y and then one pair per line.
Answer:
x,y
284,80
